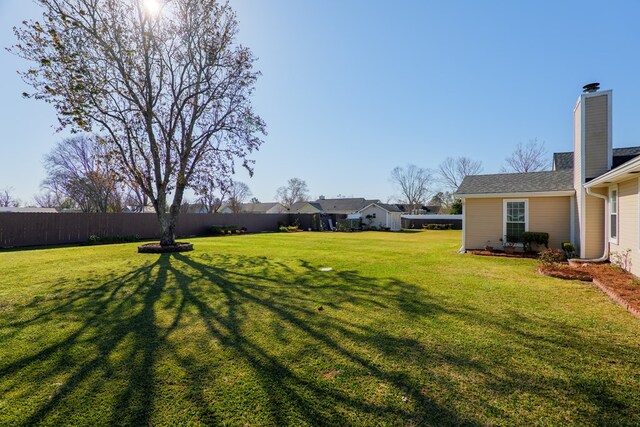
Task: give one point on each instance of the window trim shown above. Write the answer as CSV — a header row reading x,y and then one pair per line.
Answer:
x,y
504,216
613,188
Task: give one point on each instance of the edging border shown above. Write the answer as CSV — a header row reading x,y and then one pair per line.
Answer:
x,y
616,298
155,248
604,288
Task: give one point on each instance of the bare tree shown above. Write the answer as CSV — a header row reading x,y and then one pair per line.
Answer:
x,y
213,192
452,171
239,192
46,199
529,157
168,88
135,200
295,191
52,199
7,200
77,169
413,183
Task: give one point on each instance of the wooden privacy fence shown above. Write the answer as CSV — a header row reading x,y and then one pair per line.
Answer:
x,y
39,229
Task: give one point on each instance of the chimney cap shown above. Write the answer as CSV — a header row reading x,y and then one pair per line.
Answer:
x,y
591,87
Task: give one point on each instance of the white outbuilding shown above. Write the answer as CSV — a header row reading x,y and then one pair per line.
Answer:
x,y
381,215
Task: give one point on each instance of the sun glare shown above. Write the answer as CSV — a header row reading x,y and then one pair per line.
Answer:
x,y
151,6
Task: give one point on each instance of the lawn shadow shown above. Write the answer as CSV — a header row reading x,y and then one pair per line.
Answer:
x,y
124,328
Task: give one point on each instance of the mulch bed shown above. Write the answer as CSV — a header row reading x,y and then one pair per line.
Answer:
x,y
618,284
565,271
504,254
156,248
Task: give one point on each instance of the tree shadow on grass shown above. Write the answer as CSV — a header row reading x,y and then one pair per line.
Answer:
x,y
179,326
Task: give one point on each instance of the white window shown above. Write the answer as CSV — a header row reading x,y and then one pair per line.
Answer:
x,y
613,215
515,219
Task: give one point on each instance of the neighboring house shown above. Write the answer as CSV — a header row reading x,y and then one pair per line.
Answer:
x,y
306,207
144,209
590,198
257,208
193,208
27,210
343,206
382,215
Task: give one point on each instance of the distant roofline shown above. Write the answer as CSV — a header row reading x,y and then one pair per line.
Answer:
x,y
523,173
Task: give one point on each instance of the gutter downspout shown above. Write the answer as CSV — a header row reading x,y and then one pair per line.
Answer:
x,y
605,255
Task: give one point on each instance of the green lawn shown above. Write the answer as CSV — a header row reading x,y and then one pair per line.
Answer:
x,y
411,333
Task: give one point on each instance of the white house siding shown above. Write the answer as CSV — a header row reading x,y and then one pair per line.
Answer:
x,y
394,219
381,216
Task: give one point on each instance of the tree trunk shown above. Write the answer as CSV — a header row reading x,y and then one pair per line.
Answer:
x,y
168,222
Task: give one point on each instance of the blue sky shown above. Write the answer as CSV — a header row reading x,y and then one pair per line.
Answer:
x,y
351,89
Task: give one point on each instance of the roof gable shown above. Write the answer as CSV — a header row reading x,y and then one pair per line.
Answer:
x,y
344,205
621,155
384,206
532,182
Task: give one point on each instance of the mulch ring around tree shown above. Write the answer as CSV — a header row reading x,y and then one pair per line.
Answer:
x,y
617,283
156,248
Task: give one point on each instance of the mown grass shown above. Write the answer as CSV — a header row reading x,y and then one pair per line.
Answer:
x,y
411,333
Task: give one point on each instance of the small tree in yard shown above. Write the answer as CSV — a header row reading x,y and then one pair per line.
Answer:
x,y
456,208
163,82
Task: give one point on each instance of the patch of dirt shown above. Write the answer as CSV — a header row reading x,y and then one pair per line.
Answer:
x,y
330,375
156,248
565,271
504,254
620,285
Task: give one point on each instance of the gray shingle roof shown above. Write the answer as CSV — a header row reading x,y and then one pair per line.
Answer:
x,y
347,205
299,205
257,207
563,160
620,156
389,208
623,155
559,180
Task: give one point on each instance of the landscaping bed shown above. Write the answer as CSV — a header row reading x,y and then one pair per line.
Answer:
x,y
620,285
157,248
531,255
